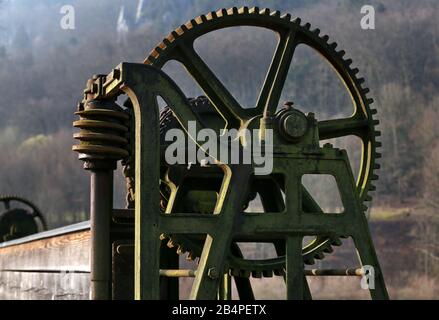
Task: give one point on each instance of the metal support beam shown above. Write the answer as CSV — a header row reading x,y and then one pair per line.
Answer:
x,y
101,205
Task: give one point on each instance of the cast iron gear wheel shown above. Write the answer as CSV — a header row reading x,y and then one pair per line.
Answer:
x,y
26,215
178,46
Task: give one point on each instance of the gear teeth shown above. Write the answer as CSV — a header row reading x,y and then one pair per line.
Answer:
x,y
297,21
372,187
355,71
194,23
202,18
163,236
368,198
267,273
316,31
377,166
184,28
366,90
211,15
378,144
167,42
244,273
265,11
348,62
190,256
328,249
286,16
221,13
361,81
374,177
325,38
307,26
279,272
181,250
336,242
333,45
170,244
254,10
319,256
309,261
256,274
275,14
341,53
175,34
243,10
233,10
378,155
375,122
377,133
364,208
234,273
373,111
370,101
154,54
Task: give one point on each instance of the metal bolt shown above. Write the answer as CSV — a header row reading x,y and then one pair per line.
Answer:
x,y
288,104
212,273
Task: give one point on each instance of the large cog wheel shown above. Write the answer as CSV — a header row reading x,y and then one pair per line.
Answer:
x,y
178,46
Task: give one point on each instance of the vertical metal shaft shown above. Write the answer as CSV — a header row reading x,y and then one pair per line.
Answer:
x,y
101,199
225,289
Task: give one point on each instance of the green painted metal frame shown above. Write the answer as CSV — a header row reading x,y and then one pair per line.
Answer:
x,y
143,83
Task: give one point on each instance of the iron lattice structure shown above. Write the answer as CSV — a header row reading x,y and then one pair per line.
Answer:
x,y
199,211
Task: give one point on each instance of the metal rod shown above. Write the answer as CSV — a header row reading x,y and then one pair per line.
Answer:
x,y
101,205
225,288
177,273
353,272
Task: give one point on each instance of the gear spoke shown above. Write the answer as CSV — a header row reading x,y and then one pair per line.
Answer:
x,y
336,128
274,82
217,93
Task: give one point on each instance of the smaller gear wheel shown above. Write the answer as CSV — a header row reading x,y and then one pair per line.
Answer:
x,y
19,221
